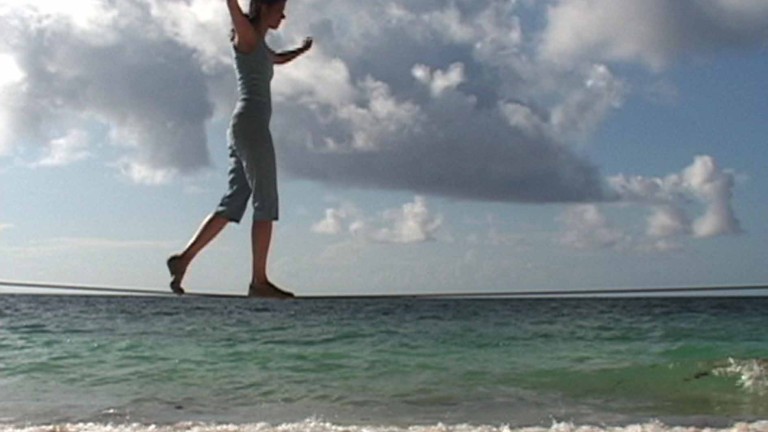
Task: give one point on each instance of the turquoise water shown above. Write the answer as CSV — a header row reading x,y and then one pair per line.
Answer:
x,y
380,364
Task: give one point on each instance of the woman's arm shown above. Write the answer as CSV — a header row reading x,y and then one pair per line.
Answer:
x,y
246,40
288,56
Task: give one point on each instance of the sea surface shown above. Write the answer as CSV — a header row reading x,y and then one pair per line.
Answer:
x,y
163,364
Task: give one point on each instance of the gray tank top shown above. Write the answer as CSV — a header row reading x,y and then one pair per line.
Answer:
x,y
254,73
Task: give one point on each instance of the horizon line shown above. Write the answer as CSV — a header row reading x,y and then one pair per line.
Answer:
x,y
597,292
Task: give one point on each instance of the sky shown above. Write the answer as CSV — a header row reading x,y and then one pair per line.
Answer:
x,y
427,146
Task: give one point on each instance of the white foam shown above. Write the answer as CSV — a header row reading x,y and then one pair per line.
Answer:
x,y
752,374
321,426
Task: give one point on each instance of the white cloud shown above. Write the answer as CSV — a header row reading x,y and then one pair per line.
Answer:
x,y
703,181
668,221
6,227
356,116
452,139
70,148
193,23
454,99
702,185
715,188
339,220
450,24
439,81
315,79
10,72
650,32
586,227
414,222
448,146
579,111
145,174
83,15
82,64
332,223
372,126
585,108
10,75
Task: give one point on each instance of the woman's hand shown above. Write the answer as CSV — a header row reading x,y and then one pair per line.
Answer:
x,y
289,56
307,44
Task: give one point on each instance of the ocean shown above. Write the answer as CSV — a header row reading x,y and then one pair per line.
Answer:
x,y
163,364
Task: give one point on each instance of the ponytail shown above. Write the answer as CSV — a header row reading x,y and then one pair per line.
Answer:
x,y
254,10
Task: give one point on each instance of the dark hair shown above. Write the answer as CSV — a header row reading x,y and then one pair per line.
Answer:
x,y
254,9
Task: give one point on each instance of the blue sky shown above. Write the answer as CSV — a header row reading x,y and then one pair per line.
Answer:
x,y
432,146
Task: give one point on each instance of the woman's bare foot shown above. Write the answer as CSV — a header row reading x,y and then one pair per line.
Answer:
x,y
177,268
268,290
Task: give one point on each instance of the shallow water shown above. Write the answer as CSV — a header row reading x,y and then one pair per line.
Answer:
x,y
319,364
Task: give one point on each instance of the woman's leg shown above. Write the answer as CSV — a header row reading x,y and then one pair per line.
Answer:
x,y
177,264
261,237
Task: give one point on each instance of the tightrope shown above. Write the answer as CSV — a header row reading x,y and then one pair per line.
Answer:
x,y
102,289
504,294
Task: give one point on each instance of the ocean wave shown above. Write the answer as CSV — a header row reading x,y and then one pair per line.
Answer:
x,y
752,374
321,426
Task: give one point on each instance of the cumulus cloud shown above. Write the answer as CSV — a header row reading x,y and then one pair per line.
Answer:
x,y
586,227
715,188
439,81
413,222
702,188
10,76
650,32
111,63
372,124
579,114
352,112
423,104
579,111
703,182
65,150
455,98
668,221
445,145
197,24
333,223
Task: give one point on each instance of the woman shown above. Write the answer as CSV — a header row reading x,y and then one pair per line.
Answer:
x,y
252,171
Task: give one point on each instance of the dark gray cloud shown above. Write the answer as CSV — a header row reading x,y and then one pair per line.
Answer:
x,y
454,98
370,120
147,88
455,150
442,133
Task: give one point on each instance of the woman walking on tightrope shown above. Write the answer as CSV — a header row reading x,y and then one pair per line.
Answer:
x,y
252,171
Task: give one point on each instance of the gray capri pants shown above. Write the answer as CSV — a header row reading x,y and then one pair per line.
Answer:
x,y
252,168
